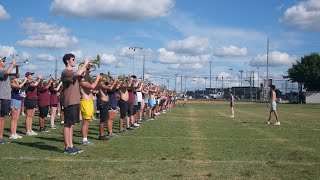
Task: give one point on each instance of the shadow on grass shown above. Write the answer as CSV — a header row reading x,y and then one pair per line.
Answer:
x,y
40,145
51,139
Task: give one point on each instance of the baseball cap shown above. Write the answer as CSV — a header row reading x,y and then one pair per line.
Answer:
x,y
29,73
4,58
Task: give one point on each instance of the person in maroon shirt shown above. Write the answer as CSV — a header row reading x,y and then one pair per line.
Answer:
x,y
30,101
54,101
43,102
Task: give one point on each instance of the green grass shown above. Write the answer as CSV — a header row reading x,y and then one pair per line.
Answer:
x,y
199,141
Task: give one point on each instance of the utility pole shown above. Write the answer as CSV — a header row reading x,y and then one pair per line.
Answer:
x,y
205,85
175,82
181,82
134,49
56,70
168,83
268,61
210,75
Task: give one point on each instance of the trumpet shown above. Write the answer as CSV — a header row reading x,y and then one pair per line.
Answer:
x,y
20,63
106,77
91,66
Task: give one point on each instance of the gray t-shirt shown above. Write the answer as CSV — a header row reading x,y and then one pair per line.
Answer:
x,y
5,88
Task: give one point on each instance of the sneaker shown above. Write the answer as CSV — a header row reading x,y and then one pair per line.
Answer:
x,y
23,114
151,119
268,122
103,138
130,128
59,114
43,129
133,126
122,131
62,123
136,124
53,126
277,123
13,136
87,143
48,115
31,133
232,116
4,141
112,134
18,136
70,151
78,150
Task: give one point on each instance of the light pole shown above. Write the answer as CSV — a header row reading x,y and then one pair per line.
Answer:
x,y
134,49
205,85
216,84
175,83
241,71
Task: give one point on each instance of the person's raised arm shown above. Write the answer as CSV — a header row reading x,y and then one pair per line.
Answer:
x,y
8,71
82,69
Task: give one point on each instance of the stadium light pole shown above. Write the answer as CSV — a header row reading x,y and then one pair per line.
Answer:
x,y
134,49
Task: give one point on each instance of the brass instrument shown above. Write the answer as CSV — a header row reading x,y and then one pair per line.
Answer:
x,y
92,64
106,78
20,63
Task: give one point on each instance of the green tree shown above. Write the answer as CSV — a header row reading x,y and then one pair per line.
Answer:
x,y
307,71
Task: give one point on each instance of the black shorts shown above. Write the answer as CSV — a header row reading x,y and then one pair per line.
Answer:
x,y
103,107
71,115
54,105
137,108
4,107
44,110
130,110
30,103
124,105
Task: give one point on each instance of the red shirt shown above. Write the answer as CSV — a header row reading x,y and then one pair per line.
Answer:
x,y
131,97
44,97
31,93
53,97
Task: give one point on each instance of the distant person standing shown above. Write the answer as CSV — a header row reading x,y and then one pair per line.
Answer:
x,y
231,103
184,100
273,106
5,95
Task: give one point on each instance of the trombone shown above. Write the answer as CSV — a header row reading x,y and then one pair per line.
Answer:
x,y
91,66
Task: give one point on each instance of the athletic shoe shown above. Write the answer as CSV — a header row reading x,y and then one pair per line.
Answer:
x,y
23,114
59,114
87,143
43,129
103,138
268,122
277,123
122,131
48,115
77,150
151,119
4,141
136,124
13,136
53,126
133,126
232,116
130,128
112,135
18,136
31,133
62,123
70,151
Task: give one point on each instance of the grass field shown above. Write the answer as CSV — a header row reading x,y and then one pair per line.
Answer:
x,y
199,141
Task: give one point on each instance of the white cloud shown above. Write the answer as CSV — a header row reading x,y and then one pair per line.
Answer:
x,y
183,67
304,15
108,59
115,10
192,45
170,57
26,55
275,59
3,13
31,67
231,51
42,35
78,54
5,51
45,57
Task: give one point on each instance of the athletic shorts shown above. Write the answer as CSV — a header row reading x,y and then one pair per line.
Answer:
x,y
151,103
87,109
103,107
15,104
44,110
273,106
71,115
124,105
231,104
130,110
137,108
4,107
30,103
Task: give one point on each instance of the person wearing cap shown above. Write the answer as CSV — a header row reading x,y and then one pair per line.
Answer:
x,y
15,105
5,94
70,96
30,101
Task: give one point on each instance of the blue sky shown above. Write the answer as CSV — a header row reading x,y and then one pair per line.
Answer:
x,y
177,37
